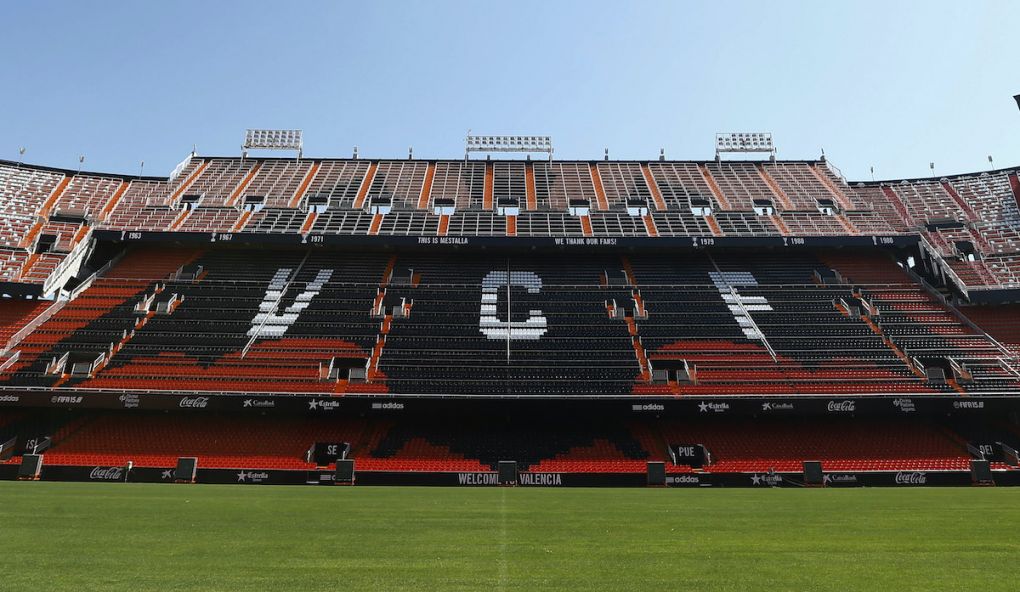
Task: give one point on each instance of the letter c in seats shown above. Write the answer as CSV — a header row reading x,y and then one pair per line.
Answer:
x,y
495,328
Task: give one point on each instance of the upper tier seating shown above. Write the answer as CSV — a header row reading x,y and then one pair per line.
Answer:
x,y
221,181
678,182
360,197
928,201
338,182
742,183
277,220
462,181
399,182
12,262
509,181
209,219
278,181
799,185
623,181
23,190
556,183
87,195
990,197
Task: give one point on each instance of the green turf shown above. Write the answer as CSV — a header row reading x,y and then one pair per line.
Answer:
x,y
71,536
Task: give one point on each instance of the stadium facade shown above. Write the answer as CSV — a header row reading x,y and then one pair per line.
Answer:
x,y
429,319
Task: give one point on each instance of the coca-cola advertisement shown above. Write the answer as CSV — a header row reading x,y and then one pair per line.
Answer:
x,y
845,406
911,478
194,403
107,474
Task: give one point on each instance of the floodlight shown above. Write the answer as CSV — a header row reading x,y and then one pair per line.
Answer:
x,y
744,142
266,139
508,144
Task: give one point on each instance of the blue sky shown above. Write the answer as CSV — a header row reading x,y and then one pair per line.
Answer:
x,y
895,85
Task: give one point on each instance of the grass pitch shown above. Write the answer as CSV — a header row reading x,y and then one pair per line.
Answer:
x,y
74,536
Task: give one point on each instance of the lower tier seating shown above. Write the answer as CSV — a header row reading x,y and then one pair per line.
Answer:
x,y
477,442
866,445
158,440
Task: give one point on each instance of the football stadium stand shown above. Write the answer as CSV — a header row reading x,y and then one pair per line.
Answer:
x,y
543,446
412,324
966,225
576,317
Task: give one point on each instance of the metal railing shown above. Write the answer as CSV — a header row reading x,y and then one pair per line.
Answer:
x,y
97,274
1008,355
6,363
58,304
482,395
74,257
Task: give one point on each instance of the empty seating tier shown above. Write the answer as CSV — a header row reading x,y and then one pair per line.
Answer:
x,y
548,325
553,444
968,224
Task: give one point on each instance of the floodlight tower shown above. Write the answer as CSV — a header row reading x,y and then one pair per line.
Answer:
x,y
744,142
508,144
267,139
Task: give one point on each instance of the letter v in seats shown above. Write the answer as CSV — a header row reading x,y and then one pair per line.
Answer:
x,y
269,322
